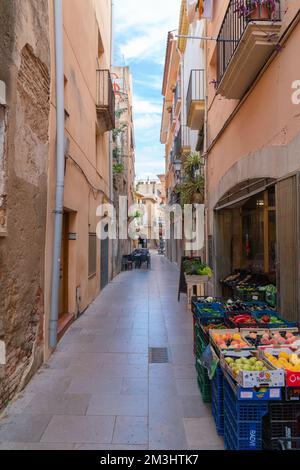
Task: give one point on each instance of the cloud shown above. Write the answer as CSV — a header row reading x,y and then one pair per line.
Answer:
x,y
145,26
140,13
154,82
146,121
141,30
143,106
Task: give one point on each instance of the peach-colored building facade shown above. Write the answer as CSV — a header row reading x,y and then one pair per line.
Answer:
x,y
253,142
85,260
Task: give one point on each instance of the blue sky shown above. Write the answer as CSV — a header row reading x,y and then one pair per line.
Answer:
x,y
141,29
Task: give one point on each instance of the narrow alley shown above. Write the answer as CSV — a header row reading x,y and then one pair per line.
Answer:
x,y
98,391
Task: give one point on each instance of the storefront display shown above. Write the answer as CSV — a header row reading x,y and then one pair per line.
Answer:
x,y
244,372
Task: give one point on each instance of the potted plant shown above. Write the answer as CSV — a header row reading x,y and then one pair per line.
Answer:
x,y
191,189
118,168
195,271
257,9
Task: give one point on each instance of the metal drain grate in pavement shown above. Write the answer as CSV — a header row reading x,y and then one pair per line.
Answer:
x,y
158,355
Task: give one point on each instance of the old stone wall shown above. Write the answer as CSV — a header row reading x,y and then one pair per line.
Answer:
x,y
25,70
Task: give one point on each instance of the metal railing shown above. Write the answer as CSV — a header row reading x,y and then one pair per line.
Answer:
x,y
239,14
177,94
196,89
105,94
181,141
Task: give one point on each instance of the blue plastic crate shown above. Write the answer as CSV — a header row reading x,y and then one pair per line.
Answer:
x,y
243,421
217,400
199,310
285,323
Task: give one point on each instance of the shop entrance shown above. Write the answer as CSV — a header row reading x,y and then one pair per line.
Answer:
x,y
246,247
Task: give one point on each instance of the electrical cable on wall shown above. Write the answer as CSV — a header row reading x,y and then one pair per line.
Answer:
x,y
94,188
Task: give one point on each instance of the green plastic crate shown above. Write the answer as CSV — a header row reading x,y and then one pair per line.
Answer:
x,y
203,382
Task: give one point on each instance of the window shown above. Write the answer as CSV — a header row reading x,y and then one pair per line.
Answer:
x,y
92,254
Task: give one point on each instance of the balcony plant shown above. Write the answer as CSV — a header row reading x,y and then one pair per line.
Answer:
x,y
118,168
257,9
191,189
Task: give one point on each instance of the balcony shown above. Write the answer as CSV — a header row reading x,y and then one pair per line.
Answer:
x,y
182,143
195,100
105,103
172,119
177,98
245,43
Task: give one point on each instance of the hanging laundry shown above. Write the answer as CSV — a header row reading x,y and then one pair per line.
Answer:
x,y
191,9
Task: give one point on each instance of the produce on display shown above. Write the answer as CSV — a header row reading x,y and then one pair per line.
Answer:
x,y
284,360
258,363
247,364
242,319
229,340
194,267
271,338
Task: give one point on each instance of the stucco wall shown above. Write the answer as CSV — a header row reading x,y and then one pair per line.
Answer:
x,y
263,137
87,176
25,68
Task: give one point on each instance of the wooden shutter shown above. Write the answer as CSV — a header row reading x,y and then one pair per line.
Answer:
x,y
287,208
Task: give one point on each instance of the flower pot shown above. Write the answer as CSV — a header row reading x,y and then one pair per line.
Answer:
x,y
195,278
197,198
260,12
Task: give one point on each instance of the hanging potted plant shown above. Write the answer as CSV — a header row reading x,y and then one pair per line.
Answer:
x,y
257,9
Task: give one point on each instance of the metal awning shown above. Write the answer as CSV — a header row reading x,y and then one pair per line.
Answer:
x,y
240,193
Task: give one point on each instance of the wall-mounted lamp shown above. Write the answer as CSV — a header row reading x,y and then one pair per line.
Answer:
x,y
177,166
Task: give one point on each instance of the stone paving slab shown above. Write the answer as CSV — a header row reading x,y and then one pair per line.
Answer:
x,y
98,390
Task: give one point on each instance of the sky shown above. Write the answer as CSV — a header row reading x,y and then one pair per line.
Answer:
x,y
141,28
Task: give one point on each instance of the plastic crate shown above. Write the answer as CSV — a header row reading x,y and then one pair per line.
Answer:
x,y
203,382
242,421
292,443
281,423
231,324
216,310
202,323
284,323
217,400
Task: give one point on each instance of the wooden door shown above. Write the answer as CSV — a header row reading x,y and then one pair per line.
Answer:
x,y
64,265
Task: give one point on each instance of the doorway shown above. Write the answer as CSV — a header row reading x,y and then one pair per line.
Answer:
x,y
104,261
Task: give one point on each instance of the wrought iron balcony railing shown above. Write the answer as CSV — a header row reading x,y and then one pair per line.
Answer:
x,y
196,90
177,94
182,142
105,97
239,14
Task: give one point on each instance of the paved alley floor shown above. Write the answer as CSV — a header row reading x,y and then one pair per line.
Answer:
x,y
98,390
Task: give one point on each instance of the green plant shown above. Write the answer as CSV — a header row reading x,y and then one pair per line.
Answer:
x,y
116,132
188,188
119,112
117,154
194,267
118,168
192,163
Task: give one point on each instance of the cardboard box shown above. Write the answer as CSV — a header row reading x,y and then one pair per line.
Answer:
x,y
250,379
292,378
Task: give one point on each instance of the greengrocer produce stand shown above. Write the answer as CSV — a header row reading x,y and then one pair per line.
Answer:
x,y
248,367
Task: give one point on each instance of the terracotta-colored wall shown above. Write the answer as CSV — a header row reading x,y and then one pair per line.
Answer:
x,y
266,124
83,22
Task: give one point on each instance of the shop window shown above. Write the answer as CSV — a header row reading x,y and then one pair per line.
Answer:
x,y
92,254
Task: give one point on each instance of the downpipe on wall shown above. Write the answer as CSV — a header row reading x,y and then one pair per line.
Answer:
x,y
60,170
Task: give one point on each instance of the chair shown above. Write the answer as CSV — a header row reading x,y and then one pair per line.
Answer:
x,y
127,262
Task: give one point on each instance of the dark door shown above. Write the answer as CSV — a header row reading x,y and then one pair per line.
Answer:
x,y
104,261
64,265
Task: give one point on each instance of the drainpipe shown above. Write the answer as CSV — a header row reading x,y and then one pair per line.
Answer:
x,y
60,170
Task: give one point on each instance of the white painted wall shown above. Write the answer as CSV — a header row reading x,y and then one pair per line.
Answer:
x,y
193,58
